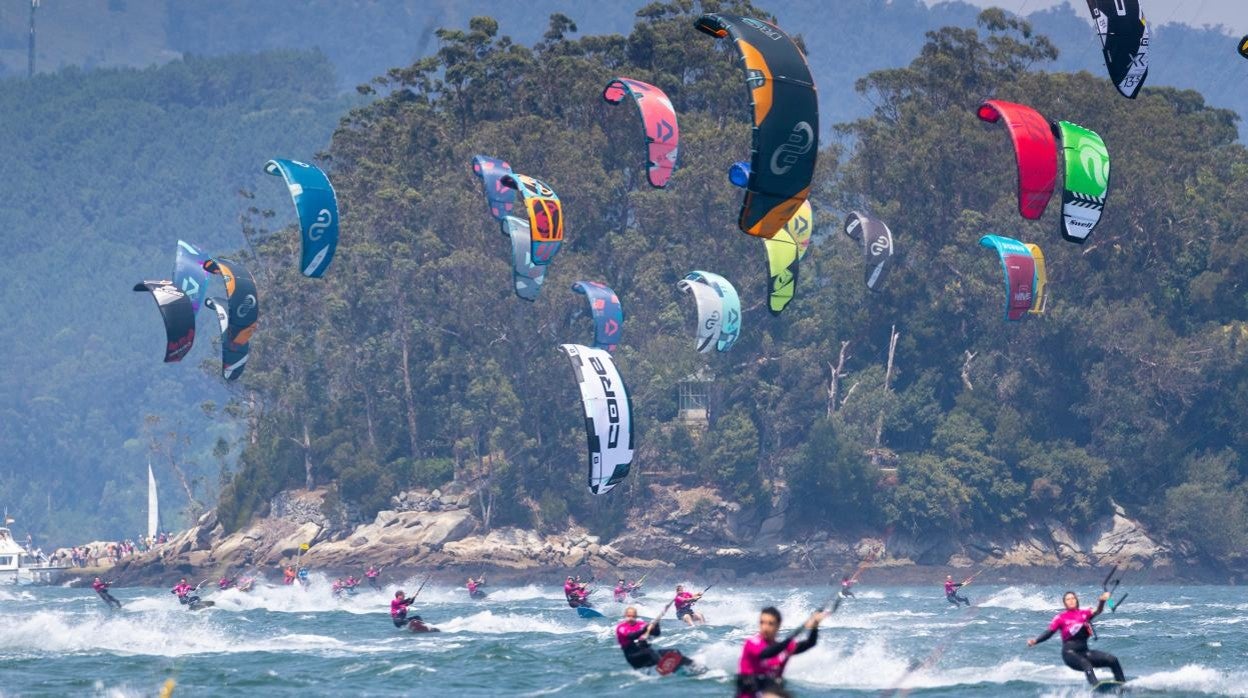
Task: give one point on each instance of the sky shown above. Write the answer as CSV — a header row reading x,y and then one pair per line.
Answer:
x,y
1233,14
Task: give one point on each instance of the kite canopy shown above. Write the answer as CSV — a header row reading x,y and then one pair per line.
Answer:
x,y
243,306
606,312
1086,183
710,311
1042,280
608,416
658,119
189,274
545,214
500,198
233,357
1243,46
877,246
526,276
1124,38
317,206
1020,274
1035,152
177,313
786,120
784,250
730,327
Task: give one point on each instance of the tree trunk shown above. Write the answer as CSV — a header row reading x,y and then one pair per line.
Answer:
x,y
888,379
487,504
408,398
838,372
969,356
307,457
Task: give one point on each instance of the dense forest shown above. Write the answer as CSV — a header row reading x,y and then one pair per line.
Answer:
x,y
108,167
104,171
412,363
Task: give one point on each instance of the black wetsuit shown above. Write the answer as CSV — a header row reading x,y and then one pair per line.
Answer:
x,y
1077,656
639,654
107,597
952,596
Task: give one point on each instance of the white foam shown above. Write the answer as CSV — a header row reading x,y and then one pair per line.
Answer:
x,y
1161,606
1196,678
1021,599
489,623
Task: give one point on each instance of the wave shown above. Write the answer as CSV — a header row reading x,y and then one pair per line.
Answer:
x,y
1196,678
489,623
1021,599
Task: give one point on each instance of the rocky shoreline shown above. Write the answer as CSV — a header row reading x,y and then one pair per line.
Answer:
x,y
691,533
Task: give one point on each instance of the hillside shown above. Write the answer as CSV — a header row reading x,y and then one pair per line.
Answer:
x,y
415,365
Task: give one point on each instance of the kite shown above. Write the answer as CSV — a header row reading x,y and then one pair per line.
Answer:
x,y
658,121
785,117
608,416
1034,149
317,206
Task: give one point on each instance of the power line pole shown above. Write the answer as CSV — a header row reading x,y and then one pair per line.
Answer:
x,y
30,55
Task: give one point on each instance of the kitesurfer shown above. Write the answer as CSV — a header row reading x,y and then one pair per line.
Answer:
x,y
761,671
351,584
371,573
634,634
288,575
474,588
576,593
303,576
847,584
684,606
101,587
225,582
620,592
1075,625
398,608
951,591
336,587
184,593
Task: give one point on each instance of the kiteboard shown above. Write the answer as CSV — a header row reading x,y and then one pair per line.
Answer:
x,y
201,605
587,612
669,661
1110,686
477,595
417,625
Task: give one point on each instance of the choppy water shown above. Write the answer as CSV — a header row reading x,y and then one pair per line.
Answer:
x,y
1175,641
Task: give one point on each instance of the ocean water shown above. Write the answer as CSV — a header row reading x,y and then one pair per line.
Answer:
x,y
524,641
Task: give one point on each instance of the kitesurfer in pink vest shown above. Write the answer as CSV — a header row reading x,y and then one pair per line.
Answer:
x,y
1075,625
634,635
101,587
951,591
183,592
684,606
398,608
763,659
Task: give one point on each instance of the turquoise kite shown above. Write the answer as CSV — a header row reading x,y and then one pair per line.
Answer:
x,y
317,206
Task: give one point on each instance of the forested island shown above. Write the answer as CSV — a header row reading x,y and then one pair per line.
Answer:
x,y
915,411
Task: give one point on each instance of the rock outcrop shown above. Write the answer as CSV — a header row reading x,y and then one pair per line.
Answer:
x,y
694,530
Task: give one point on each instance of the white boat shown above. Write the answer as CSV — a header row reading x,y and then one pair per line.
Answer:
x,y
20,567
